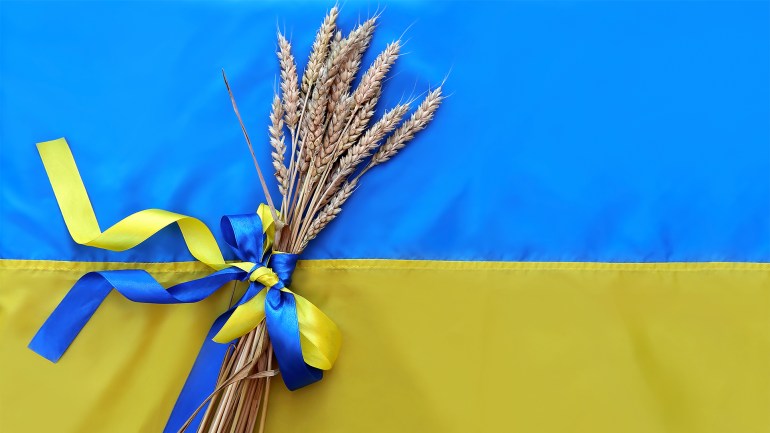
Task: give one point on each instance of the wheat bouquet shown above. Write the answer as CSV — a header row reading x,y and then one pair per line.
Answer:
x,y
324,137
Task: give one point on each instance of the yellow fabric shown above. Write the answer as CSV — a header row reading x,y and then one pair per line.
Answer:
x,y
319,336
429,347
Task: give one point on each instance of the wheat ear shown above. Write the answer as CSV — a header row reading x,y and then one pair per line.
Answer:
x,y
289,84
320,50
366,95
279,146
371,82
368,142
417,122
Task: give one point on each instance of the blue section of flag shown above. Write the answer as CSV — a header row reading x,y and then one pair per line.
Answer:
x,y
574,131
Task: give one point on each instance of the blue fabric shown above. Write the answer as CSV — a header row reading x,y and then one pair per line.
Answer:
x,y
576,131
244,234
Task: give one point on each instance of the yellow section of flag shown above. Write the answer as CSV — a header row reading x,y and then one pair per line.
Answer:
x,y
430,346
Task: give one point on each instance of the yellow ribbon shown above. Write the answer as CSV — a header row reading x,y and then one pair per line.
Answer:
x,y
319,336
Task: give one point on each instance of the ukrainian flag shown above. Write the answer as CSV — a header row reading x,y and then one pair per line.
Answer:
x,y
580,241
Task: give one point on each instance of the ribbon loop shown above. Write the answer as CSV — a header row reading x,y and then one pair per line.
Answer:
x,y
245,235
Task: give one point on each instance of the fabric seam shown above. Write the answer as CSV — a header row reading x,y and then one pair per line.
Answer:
x,y
387,264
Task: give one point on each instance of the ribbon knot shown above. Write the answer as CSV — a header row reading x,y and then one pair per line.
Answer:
x,y
263,275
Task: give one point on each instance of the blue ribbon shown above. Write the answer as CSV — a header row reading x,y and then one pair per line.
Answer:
x,y
243,233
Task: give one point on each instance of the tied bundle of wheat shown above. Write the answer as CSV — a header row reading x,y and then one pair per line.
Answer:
x,y
326,129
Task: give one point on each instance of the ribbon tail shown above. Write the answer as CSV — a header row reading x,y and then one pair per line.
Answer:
x,y
85,296
70,316
320,338
204,374
246,317
200,382
283,328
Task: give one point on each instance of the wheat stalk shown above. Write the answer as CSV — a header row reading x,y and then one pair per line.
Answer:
x,y
347,164
315,128
317,120
315,62
329,212
340,103
319,113
364,98
359,38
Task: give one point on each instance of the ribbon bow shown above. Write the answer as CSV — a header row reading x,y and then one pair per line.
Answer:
x,y
304,339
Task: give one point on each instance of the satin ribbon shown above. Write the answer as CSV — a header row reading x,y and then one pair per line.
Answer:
x,y
305,340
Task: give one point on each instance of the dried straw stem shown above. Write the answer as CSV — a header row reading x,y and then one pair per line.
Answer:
x,y
251,149
241,387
